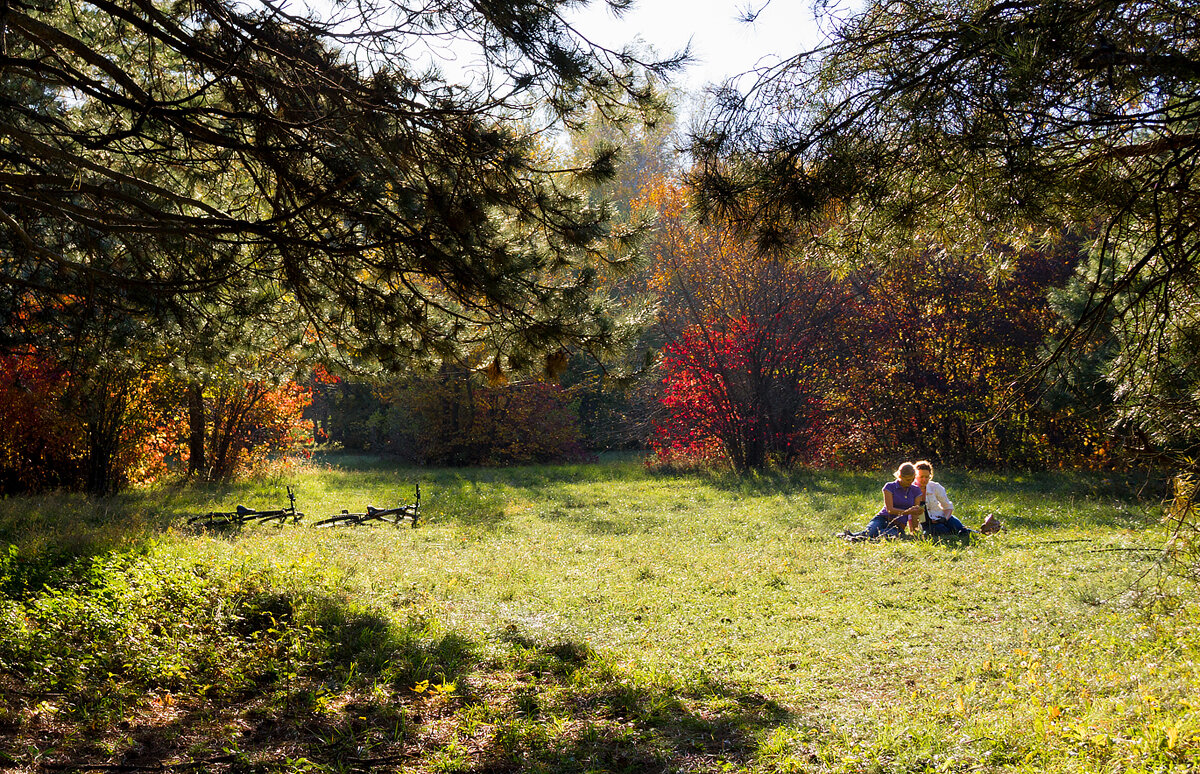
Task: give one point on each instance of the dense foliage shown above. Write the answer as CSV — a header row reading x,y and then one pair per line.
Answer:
x,y
754,348
452,418
769,360
38,444
982,128
115,425
187,186
196,164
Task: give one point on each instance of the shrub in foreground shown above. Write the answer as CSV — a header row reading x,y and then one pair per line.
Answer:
x,y
104,636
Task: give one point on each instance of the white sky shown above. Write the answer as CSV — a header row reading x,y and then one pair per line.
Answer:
x,y
722,45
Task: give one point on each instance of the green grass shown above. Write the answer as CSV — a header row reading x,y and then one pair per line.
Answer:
x,y
597,618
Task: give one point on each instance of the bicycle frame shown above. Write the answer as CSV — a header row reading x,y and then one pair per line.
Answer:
x,y
395,516
242,515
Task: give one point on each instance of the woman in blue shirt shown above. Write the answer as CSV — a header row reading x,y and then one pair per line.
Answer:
x,y
900,501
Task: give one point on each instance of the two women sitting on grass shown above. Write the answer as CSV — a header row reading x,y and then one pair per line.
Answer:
x,y
912,495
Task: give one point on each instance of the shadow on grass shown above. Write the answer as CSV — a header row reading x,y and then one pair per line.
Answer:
x,y
788,483
614,721
595,519
59,526
274,676
51,538
381,696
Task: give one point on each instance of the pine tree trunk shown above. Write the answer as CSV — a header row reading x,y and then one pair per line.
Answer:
x,y
195,399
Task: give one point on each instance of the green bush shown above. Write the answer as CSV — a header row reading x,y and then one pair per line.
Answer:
x,y
105,633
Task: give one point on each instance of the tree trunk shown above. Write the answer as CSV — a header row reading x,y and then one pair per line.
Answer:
x,y
104,414
195,401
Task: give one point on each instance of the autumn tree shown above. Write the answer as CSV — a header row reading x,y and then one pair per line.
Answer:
x,y
983,128
947,346
96,383
40,447
242,410
754,348
119,397
250,420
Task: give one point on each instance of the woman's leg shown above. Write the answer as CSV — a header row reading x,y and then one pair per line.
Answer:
x,y
956,527
940,527
878,526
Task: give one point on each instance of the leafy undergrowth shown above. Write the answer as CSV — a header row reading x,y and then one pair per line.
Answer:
x,y
128,662
593,618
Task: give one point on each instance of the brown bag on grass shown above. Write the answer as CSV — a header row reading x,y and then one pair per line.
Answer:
x,y
990,525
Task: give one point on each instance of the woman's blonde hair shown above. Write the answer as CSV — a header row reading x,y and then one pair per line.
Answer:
x,y
905,469
924,465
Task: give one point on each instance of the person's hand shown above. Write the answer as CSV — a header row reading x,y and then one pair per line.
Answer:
x,y
913,525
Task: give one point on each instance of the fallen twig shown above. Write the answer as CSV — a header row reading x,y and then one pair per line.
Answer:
x,y
140,766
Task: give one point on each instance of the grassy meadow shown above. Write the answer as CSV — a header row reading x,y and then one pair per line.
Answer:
x,y
593,618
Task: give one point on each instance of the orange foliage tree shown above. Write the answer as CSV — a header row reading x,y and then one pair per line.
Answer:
x,y
124,423
250,420
113,426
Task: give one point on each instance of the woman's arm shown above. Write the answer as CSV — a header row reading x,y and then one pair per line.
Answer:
x,y
939,494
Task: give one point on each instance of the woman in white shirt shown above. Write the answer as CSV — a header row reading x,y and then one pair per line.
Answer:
x,y
939,511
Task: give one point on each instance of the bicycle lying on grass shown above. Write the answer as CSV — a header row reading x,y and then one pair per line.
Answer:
x,y
242,515
394,516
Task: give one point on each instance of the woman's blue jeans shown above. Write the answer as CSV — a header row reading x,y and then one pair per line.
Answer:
x,y
884,526
947,526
